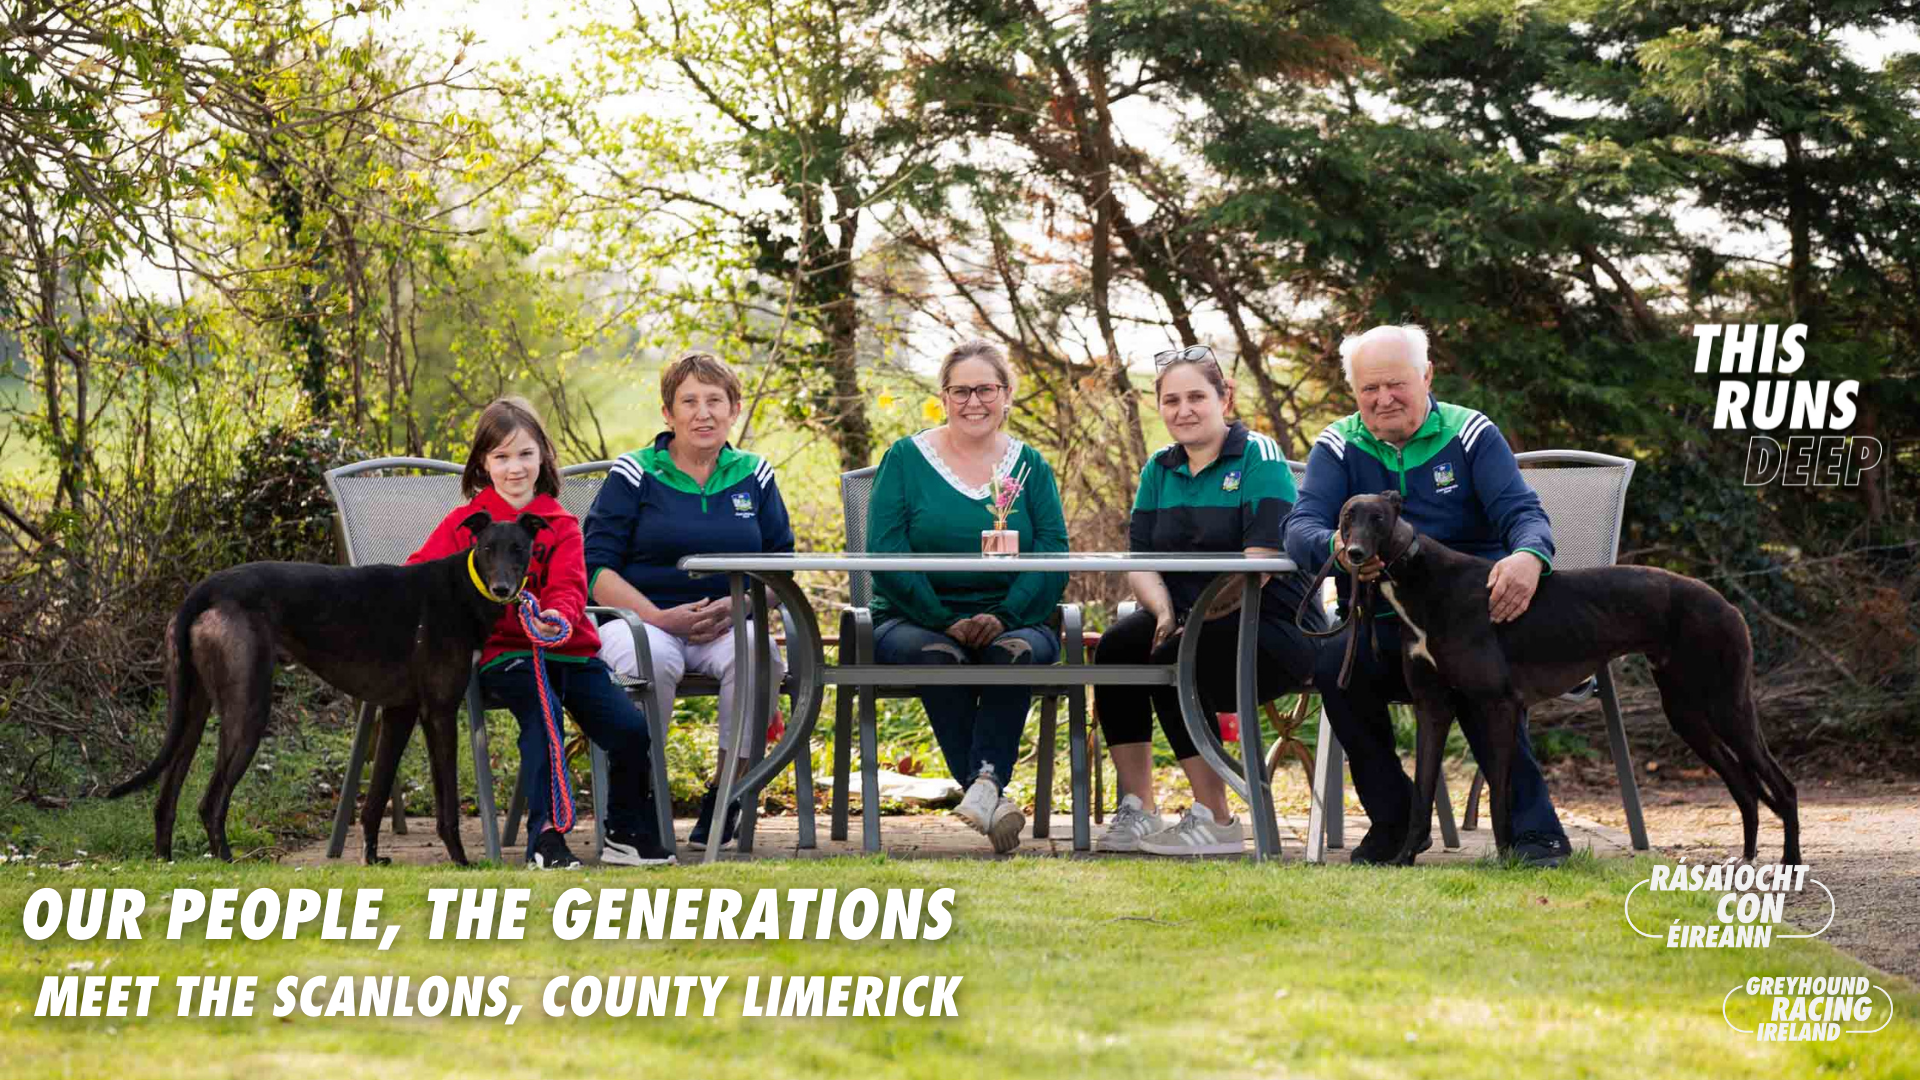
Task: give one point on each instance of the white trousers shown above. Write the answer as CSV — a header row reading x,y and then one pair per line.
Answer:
x,y
673,657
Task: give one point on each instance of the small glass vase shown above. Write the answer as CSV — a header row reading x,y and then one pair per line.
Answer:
x,y
999,543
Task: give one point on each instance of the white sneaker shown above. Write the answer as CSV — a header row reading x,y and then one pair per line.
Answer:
x,y
1197,834
978,806
1130,825
1005,827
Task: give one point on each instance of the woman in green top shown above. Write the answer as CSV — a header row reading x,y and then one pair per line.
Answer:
x,y
930,496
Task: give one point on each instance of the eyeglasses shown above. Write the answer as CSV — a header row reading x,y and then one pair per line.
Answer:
x,y
1192,353
988,393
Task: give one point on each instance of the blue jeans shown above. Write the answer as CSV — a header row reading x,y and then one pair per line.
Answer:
x,y
975,725
602,710
1358,715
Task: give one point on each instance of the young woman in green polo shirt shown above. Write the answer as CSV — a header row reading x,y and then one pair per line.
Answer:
x,y
930,496
1219,487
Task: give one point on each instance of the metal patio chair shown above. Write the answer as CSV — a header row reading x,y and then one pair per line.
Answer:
x,y
856,634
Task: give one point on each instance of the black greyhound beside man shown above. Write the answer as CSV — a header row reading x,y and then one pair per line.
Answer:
x,y
1452,649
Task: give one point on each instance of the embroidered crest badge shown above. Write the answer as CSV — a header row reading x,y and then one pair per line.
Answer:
x,y
1443,475
742,503
1231,481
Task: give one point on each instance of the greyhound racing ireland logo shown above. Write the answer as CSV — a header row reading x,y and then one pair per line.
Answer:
x,y
1808,1009
1749,913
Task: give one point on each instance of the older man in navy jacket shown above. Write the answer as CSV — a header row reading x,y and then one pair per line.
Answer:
x,y
1462,487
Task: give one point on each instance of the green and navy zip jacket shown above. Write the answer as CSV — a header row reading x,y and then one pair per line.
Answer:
x,y
1458,476
649,514
1238,500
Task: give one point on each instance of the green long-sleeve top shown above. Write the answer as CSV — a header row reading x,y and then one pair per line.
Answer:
x,y
918,505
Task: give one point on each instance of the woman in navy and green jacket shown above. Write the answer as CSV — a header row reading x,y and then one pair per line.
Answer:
x,y
931,496
690,493
1219,487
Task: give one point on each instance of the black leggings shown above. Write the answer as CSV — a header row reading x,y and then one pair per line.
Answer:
x,y
1126,714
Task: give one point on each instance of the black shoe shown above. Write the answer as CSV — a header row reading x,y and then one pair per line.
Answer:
x,y
550,853
703,828
1381,845
1545,850
625,848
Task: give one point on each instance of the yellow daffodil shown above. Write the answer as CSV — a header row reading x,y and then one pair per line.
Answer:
x,y
885,400
931,412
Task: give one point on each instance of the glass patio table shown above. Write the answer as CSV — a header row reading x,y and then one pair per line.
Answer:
x,y
751,576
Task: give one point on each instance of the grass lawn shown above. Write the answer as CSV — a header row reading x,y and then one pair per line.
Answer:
x,y
1107,967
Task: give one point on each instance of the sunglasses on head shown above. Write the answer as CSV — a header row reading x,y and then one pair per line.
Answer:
x,y
1192,353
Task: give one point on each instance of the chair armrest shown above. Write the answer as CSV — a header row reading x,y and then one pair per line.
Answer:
x,y
1072,633
642,651
856,632
1126,608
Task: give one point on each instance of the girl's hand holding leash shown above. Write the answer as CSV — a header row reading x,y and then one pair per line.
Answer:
x,y
549,622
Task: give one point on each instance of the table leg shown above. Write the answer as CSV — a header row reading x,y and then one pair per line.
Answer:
x,y
805,675
761,714
1253,757
1077,756
1240,779
743,700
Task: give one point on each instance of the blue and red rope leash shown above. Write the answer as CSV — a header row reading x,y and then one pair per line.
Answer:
x,y
561,811
561,816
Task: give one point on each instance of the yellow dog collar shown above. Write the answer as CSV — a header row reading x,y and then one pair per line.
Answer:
x,y
473,575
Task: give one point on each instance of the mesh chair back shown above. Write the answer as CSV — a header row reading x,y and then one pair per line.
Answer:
x,y
1585,496
387,517
580,484
856,491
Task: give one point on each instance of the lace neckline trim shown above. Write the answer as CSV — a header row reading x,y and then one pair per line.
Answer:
x,y
924,441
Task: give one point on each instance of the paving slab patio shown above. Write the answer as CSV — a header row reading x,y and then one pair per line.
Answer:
x,y
939,835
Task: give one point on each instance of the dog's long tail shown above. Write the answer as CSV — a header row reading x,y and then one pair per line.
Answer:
x,y
180,680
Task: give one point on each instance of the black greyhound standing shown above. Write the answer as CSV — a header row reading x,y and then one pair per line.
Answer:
x,y
399,637
1578,620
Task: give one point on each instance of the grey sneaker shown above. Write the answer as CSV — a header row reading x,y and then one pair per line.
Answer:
x,y
1005,826
1197,834
981,800
1130,825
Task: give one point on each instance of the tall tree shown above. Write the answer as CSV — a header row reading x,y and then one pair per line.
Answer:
x,y
789,133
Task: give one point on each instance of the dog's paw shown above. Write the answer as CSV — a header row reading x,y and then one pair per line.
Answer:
x,y
379,860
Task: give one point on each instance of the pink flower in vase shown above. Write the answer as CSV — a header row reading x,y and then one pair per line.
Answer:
x,y
1005,492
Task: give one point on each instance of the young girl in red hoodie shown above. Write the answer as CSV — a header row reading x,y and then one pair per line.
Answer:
x,y
511,471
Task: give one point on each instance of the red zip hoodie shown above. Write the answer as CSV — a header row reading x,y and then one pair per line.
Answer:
x,y
557,575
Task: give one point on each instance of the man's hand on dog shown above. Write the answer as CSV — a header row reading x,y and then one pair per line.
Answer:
x,y
1366,571
1511,584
